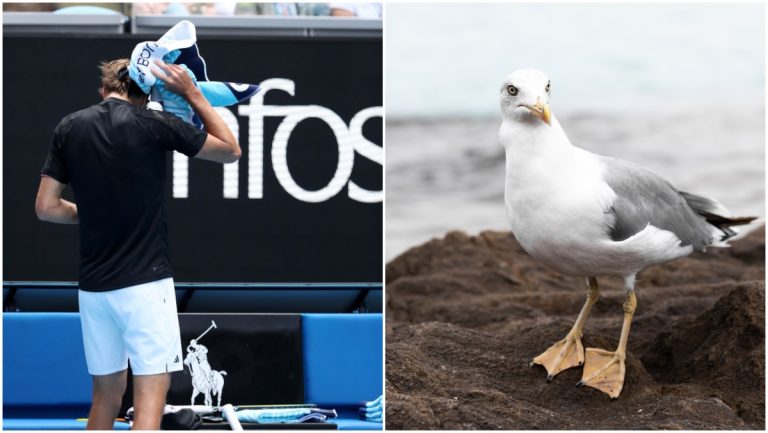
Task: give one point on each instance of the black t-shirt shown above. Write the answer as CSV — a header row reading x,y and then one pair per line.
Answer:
x,y
113,154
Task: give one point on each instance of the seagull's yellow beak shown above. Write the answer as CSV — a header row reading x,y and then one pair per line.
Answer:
x,y
541,110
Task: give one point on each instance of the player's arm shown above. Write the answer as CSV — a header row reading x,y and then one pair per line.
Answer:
x,y
221,145
49,205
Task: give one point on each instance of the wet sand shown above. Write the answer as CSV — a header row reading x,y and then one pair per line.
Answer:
x,y
466,314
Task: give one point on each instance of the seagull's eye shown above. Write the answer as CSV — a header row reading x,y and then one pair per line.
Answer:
x,y
512,90
547,88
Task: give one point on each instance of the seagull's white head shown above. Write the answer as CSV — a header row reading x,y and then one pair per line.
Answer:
x,y
524,96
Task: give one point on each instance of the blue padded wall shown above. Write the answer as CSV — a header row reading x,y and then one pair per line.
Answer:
x,y
342,358
44,367
43,360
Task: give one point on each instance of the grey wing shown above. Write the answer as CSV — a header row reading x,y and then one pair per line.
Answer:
x,y
643,197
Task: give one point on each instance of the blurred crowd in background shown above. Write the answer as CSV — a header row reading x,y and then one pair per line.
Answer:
x,y
359,10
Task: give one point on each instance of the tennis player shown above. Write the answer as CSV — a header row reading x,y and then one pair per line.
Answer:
x,y
113,154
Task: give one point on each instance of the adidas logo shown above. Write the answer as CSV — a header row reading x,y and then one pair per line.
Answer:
x,y
176,361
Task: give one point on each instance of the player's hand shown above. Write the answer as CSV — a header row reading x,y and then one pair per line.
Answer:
x,y
175,78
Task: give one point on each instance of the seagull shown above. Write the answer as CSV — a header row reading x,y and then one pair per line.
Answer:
x,y
588,215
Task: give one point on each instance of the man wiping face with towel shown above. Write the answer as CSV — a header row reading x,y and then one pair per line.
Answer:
x,y
113,154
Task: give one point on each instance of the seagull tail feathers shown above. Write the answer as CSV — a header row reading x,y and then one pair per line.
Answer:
x,y
716,215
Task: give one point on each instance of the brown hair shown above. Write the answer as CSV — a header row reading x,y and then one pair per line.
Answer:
x,y
114,78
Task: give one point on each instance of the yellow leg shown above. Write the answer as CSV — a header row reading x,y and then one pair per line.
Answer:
x,y
604,370
569,352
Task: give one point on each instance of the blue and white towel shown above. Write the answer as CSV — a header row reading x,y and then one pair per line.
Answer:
x,y
372,410
287,415
179,46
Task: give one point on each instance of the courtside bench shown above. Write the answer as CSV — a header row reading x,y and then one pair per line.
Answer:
x,y
46,385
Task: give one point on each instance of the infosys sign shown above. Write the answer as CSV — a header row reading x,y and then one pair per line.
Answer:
x,y
303,204
349,140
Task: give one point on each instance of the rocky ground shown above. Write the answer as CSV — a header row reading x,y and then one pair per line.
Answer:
x,y
466,314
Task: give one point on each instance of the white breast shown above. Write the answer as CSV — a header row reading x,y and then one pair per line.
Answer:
x,y
559,208
555,196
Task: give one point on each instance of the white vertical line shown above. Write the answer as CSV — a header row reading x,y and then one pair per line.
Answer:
x,y
231,179
180,175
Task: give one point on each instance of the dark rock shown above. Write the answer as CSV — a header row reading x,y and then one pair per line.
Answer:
x,y
466,314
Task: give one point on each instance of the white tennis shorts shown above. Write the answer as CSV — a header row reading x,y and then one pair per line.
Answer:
x,y
137,323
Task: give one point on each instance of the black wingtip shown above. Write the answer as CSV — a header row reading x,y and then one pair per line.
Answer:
x,y
724,224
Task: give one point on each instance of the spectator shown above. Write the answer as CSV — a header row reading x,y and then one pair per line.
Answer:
x,y
283,9
224,8
218,8
29,7
370,11
160,9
